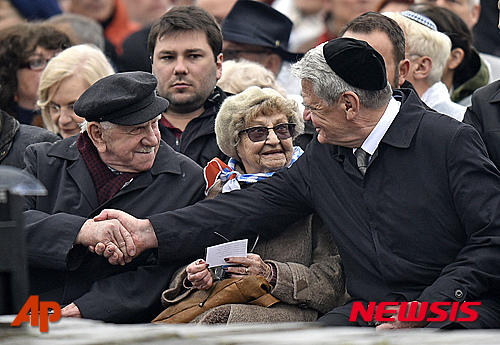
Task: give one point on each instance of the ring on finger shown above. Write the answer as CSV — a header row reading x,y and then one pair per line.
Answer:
x,y
246,270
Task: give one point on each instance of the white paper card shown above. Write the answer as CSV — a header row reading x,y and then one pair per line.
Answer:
x,y
216,254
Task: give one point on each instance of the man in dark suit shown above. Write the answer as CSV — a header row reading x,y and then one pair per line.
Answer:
x,y
409,195
484,115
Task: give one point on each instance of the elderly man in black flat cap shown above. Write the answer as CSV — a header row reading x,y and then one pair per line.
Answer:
x,y
409,195
118,161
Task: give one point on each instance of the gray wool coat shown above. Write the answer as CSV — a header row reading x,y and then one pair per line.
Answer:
x,y
310,279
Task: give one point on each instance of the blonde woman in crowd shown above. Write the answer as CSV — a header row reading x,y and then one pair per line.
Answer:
x,y
64,79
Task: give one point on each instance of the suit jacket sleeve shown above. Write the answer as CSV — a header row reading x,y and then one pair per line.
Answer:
x,y
272,204
474,184
485,117
49,238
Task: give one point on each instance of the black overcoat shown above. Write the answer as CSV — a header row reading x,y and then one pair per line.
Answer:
x,y
484,115
62,272
423,224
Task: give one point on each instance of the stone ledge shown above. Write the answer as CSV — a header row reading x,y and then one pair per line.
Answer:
x,y
79,331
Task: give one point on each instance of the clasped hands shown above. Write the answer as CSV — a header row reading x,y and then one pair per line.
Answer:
x,y
117,236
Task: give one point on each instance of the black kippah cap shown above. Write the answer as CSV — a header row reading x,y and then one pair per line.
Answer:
x,y
127,98
356,62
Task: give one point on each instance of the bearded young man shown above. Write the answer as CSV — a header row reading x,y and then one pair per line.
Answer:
x,y
185,46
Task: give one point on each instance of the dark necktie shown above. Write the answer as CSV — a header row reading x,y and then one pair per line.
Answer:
x,y
362,158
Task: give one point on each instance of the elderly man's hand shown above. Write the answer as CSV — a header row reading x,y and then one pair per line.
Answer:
x,y
71,310
396,324
113,235
140,230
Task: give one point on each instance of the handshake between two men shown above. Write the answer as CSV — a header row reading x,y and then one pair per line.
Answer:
x,y
117,236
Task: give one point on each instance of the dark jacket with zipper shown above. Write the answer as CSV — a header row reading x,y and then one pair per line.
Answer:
x,y
198,140
421,224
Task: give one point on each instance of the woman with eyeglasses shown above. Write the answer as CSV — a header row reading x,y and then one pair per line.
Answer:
x,y
256,129
25,50
62,82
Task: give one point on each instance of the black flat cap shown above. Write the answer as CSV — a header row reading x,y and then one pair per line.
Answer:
x,y
127,99
357,63
253,22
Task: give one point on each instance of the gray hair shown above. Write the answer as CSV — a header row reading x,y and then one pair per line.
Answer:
x,y
83,29
84,126
238,111
328,86
239,75
423,41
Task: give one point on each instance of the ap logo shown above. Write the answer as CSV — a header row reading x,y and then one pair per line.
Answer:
x,y
39,314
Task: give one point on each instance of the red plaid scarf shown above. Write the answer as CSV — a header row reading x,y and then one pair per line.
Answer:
x,y
107,183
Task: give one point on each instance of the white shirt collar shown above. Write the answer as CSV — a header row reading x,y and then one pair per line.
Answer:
x,y
371,143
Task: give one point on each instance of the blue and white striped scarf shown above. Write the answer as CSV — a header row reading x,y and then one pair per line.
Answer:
x,y
231,183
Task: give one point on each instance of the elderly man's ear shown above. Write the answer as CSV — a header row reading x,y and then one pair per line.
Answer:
x,y
350,104
95,132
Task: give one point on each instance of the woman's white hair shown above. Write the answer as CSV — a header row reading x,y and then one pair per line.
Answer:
x,y
239,110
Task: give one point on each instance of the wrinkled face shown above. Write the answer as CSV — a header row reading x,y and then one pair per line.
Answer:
x,y
63,97
380,41
186,71
29,78
329,121
269,155
100,10
130,148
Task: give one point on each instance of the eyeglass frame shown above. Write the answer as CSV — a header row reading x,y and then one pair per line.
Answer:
x,y
55,109
290,128
29,64
414,54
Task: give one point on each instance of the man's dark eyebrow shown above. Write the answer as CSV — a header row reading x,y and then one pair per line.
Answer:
x,y
195,50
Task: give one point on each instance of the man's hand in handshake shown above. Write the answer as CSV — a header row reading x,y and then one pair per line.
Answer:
x,y
139,231
110,234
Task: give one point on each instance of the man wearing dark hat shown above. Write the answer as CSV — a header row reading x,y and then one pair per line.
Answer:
x,y
257,32
409,194
118,161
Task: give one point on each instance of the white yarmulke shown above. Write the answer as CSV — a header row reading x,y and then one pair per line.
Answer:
x,y
420,19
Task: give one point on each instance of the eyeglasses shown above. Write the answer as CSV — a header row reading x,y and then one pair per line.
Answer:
x,y
283,131
36,64
414,56
55,109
